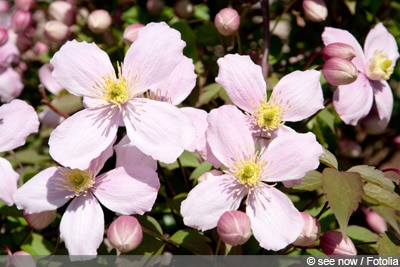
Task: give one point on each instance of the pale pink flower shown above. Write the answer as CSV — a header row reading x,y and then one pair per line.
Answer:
x,y
157,128
295,97
375,64
130,189
274,219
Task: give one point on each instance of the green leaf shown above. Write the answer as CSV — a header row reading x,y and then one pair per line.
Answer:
x,y
208,93
193,241
374,176
381,196
310,182
362,234
389,244
207,34
37,245
343,191
329,159
187,159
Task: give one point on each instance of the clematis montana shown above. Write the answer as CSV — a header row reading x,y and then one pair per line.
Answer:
x,y
375,64
157,128
127,190
274,219
17,121
296,96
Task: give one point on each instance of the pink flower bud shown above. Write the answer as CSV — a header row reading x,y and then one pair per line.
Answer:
x,y
315,10
125,233
339,71
40,48
333,243
21,20
375,221
62,11
21,259
40,220
234,227
3,36
4,6
310,233
227,21
184,9
155,6
341,50
130,33
99,21
56,31
24,4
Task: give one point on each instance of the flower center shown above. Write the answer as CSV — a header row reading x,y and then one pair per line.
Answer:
x,y
268,116
379,67
116,91
248,173
77,181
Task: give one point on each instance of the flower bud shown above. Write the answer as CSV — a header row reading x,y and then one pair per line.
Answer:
x,y
5,6
21,20
310,233
125,233
99,21
24,4
3,36
339,71
40,48
234,227
62,11
341,50
333,243
21,259
56,31
130,33
155,6
184,9
40,220
227,21
374,221
315,10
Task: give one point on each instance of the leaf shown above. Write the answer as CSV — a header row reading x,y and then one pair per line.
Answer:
x,y
389,244
150,244
362,234
381,196
193,241
310,182
208,93
374,176
329,159
37,245
343,191
207,34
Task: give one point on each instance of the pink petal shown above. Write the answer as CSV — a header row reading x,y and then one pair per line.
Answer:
x,y
228,134
83,137
158,129
8,182
42,192
353,101
383,100
290,156
128,190
78,66
82,226
274,220
333,35
207,201
10,84
373,42
18,121
157,50
199,119
128,154
242,80
301,93
47,79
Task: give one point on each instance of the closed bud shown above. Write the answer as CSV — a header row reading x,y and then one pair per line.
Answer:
x,y
21,20
339,71
56,31
99,21
62,11
40,48
184,9
234,227
315,10
374,221
3,36
24,4
125,233
341,50
4,6
333,243
130,33
40,220
227,21
310,233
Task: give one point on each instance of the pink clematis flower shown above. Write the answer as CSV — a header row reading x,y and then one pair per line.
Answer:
x,y
17,121
274,219
130,189
297,95
157,128
375,64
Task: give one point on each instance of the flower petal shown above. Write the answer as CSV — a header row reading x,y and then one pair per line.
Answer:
x,y
228,135
83,137
82,226
11,85
79,66
301,93
384,101
42,192
274,220
208,200
158,129
18,120
353,101
8,182
242,80
128,189
199,119
47,79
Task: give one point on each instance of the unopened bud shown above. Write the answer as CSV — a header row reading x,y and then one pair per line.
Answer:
x,y
21,259
62,11
56,31
125,233
374,221
155,6
315,10
333,243
21,20
184,9
99,21
339,71
24,4
234,227
130,33
5,6
40,48
227,21
40,220
3,36
341,50
310,233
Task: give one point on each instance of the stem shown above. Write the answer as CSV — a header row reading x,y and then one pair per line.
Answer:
x,y
46,101
183,175
160,237
311,59
324,208
266,37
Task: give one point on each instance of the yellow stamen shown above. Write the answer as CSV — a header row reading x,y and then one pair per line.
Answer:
x,y
77,181
268,116
379,67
